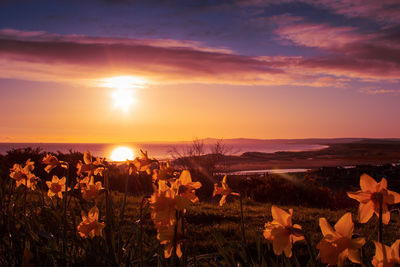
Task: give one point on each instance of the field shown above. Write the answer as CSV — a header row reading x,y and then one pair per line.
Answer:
x,y
146,213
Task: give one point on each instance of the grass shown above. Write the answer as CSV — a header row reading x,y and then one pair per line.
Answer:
x,y
206,220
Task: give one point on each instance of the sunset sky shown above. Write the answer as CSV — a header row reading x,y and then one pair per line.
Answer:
x,y
223,69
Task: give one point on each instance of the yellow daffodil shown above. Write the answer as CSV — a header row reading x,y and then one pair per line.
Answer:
x,y
56,187
23,175
166,235
185,187
369,197
164,172
52,162
90,227
90,167
337,244
386,256
224,191
91,189
164,206
281,232
140,164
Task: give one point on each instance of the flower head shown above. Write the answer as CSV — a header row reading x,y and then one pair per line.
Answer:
x,y
337,244
281,232
224,191
24,175
56,187
90,167
167,236
52,162
185,187
164,205
164,172
140,164
90,227
89,189
370,195
386,256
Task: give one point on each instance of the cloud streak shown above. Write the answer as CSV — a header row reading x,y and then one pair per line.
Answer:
x,y
350,55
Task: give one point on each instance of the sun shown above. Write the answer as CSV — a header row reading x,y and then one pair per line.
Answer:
x,y
122,153
124,89
123,99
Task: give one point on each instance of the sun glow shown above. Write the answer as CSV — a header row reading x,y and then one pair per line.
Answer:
x,y
124,86
122,153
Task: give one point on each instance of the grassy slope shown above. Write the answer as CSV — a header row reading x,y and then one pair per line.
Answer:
x,y
204,219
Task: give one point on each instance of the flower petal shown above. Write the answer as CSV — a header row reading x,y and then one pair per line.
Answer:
x,y
360,196
185,177
394,197
395,250
280,215
367,183
365,211
345,225
326,228
281,240
354,256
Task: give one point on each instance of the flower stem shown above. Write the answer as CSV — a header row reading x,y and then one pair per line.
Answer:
x,y
64,246
242,220
380,229
109,234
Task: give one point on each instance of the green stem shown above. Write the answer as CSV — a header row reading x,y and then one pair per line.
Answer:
x,y
64,246
121,215
109,234
380,229
242,220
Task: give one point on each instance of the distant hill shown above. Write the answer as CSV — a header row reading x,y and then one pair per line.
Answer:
x,y
316,141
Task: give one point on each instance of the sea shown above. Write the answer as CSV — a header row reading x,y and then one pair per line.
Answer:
x,y
159,150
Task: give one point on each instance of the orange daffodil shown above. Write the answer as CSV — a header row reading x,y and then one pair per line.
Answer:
x,y
224,191
89,189
90,167
56,187
281,232
90,227
168,204
369,196
337,244
24,175
52,162
386,256
185,187
140,164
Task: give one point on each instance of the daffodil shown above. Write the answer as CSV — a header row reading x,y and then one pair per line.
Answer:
x,y
370,195
224,191
90,227
164,172
90,167
52,162
185,187
90,190
164,206
337,244
281,232
140,164
168,235
24,175
386,256
56,187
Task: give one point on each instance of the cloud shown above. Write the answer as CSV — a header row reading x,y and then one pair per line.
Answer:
x,y
346,50
76,58
379,91
387,11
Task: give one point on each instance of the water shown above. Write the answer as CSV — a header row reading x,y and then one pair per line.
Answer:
x,y
158,150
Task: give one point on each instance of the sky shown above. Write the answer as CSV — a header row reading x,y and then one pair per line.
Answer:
x,y
195,69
